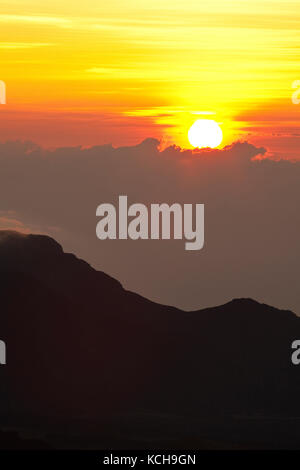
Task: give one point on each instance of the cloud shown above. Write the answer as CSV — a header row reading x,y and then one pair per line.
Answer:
x,y
9,220
35,19
251,216
23,45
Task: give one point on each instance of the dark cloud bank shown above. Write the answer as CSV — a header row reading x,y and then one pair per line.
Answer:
x,y
251,216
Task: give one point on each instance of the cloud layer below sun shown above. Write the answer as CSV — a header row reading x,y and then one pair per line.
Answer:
x,y
251,216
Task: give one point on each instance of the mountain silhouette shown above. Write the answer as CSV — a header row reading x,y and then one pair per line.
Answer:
x,y
88,357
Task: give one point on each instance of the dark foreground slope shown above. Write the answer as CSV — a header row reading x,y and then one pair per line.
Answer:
x,y
87,358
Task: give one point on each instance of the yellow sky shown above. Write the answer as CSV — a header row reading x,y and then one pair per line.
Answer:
x,y
139,68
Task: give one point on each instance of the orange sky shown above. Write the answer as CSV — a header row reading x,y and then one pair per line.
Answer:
x,y
118,72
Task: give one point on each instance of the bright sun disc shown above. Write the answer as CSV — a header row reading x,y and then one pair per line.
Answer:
x,y
205,133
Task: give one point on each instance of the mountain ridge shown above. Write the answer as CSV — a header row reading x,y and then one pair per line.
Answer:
x,y
42,243
81,347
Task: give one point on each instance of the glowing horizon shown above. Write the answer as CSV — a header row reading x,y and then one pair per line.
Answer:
x,y
121,72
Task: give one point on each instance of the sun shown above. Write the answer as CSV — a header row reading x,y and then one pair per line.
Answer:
x,y
205,133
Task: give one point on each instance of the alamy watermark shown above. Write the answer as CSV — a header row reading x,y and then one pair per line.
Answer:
x,y
2,353
296,94
154,223
295,357
2,92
